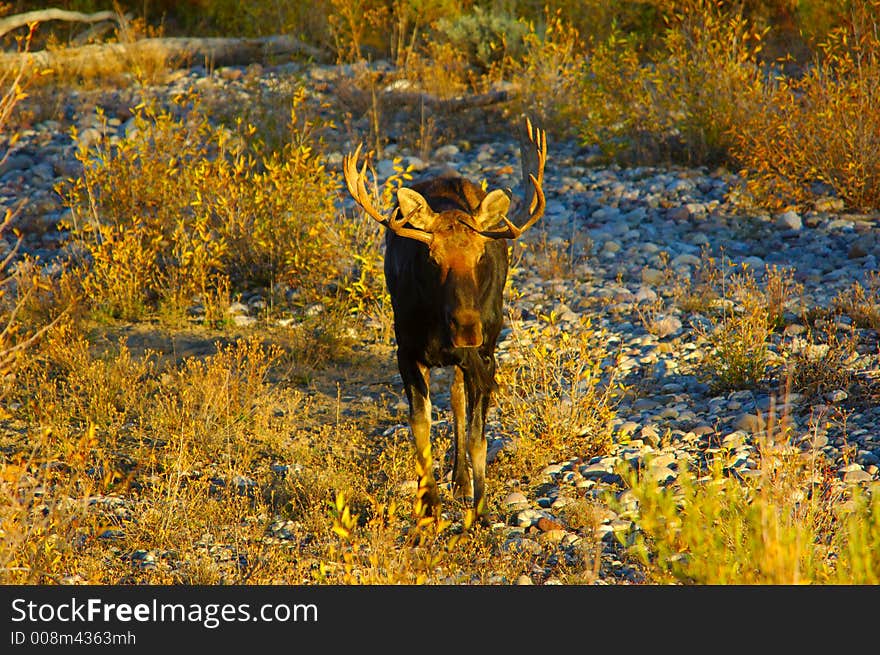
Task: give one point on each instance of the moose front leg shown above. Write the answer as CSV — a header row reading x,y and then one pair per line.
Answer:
x,y
416,379
478,407
461,475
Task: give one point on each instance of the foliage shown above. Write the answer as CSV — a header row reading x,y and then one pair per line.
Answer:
x,y
713,530
549,72
780,526
816,134
556,397
133,454
486,37
679,101
184,209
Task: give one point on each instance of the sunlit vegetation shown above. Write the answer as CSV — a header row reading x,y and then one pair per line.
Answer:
x,y
148,438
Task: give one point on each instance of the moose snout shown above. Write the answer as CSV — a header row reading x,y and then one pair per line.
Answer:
x,y
466,328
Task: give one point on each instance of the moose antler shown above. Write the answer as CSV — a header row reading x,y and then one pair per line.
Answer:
x,y
355,180
533,149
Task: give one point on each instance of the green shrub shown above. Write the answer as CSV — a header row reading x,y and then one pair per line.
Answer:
x,y
488,37
776,527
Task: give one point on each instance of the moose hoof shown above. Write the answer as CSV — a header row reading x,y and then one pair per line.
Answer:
x,y
463,490
428,504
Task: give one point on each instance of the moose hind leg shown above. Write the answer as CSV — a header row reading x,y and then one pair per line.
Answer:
x,y
461,475
416,378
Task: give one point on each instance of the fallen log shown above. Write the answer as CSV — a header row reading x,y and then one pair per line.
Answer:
x,y
215,51
453,103
11,23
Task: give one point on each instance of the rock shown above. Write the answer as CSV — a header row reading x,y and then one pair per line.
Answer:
x,y
444,153
514,499
237,308
653,277
789,220
857,476
527,517
750,423
650,435
545,525
611,247
861,247
685,259
595,471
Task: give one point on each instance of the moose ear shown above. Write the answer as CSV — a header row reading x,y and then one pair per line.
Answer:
x,y
492,208
415,208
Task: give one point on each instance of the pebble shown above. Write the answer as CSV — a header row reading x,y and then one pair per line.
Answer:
x,y
790,220
751,423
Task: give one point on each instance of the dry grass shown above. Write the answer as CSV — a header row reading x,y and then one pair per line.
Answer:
x,y
780,526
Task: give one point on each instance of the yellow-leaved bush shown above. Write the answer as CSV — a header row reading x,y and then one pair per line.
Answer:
x,y
817,134
182,210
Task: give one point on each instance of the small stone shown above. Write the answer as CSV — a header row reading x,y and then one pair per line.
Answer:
x,y
545,525
750,423
650,435
237,308
594,471
859,475
528,517
385,168
685,260
627,428
861,248
446,152
661,474
668,413
734,439
653,277
789,220
681,213
515,499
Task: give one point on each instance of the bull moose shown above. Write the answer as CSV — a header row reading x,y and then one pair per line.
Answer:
x,y
445,268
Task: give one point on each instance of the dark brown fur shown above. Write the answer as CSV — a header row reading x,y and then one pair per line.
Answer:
x,y
447,301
